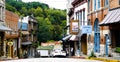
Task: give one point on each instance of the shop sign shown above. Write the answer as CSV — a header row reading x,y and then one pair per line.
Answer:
x,y
87,29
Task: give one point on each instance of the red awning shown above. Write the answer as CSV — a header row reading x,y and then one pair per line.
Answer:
x,y
112,17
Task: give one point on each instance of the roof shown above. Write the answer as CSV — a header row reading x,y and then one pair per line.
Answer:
x,y
45,47
112,17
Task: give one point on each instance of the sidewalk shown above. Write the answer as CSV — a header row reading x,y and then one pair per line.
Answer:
x,y
5,58
111,58
107,59
79,57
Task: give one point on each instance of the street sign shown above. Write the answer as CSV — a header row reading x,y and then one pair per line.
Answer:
x,y
86,29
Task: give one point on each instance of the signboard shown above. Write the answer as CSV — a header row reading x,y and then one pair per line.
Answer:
x,y
74,26
86,29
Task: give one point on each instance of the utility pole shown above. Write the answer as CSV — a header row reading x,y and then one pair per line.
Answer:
x,y
20,39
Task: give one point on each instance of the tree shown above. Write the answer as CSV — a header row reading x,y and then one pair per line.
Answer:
x,y
39,12
51,21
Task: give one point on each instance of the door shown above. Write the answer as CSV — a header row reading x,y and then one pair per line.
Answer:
x,y
106,41
96,36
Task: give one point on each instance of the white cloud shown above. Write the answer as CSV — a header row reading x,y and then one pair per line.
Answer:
x,y
59,4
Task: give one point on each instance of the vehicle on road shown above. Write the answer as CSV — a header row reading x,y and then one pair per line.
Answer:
x,y
58,52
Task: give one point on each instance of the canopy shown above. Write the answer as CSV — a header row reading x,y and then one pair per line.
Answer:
x,y
4,28
112,17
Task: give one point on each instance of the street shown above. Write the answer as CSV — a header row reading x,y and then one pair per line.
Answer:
x,y
51,60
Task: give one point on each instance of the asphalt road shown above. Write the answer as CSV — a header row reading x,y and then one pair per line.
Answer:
x,y
51,60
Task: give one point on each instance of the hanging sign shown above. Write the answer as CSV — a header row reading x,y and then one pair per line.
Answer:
x,y
87,29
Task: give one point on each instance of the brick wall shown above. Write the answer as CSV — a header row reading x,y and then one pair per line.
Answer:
x,y
100,14
12,20
114,4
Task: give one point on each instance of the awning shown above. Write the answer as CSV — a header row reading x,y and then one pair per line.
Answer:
x,y
26,43
112,17
74,38
4,28
67,37
25,32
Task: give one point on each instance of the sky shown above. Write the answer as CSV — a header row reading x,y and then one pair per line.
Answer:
x,y
58,4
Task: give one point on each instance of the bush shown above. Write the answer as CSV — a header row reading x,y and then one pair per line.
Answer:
x,y
117,49
92,55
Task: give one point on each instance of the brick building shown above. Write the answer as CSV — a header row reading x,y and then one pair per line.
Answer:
x,y
105,32
28,28
98,9
3,28
112,21
11,37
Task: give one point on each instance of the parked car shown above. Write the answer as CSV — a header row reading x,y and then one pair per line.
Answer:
x,y
58,52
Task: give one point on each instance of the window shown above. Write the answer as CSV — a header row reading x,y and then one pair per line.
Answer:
x,y
98,3
94,4
83,16
88,5
106,3
76,15
80,17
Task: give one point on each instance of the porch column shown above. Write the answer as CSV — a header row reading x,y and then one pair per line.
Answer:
x,y
4,48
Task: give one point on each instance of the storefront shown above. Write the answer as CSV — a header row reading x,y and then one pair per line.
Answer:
x,y
112,20
3,29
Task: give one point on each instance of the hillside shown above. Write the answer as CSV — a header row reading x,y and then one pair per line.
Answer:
x,y
51,21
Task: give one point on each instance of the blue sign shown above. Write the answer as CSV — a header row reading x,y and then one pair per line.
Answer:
x,y
87,29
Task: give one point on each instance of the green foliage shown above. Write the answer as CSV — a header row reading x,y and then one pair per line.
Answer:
x,y
50,21
92,55
117,49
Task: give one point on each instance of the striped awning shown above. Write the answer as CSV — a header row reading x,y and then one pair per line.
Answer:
x,y
113,16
